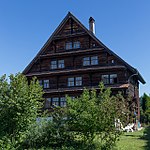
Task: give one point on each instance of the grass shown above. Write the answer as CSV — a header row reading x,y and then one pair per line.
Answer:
x,y
139,140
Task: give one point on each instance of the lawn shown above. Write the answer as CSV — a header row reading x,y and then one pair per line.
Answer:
x,y
139,140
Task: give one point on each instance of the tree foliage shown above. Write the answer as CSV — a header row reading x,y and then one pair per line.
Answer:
x,y
19,105
88,122
145,106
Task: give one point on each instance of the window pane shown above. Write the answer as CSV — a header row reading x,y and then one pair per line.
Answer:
x,y
53,64
61,64
55,101
94,60
46,83
41,82
86,61
70,81
105,79
68,45
113,78
78,81
47,102
62,101
76,45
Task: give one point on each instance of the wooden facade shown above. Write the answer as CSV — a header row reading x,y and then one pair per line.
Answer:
x,y
73,58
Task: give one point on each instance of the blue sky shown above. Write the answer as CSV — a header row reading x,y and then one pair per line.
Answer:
x,y
122,25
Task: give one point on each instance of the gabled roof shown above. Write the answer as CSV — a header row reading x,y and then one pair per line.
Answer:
x,y
68,16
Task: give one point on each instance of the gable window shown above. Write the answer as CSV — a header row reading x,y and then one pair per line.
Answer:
x,y
72,45
92,60
61,64
109,79
70,81
46,84
68,45
47,102
57,64
55,101
78,81
62,101
75,81
76,45
53,64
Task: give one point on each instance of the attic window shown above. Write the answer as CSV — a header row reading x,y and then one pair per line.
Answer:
x,y
76,45
112,61
68,45
72,45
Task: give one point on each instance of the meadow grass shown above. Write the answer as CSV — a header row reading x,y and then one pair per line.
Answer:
x,y
139,140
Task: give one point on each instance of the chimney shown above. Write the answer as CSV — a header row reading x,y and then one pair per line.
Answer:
x,y
92,25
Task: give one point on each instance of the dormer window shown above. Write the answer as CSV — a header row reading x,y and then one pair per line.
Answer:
x,y
72,45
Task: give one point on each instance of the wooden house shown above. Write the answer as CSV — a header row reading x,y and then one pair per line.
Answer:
x,y
74,58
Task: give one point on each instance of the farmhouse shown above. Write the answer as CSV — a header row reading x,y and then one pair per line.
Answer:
x,y
74,58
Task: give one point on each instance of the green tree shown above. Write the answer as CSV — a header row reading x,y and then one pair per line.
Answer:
x,y
92,118
145,106
19,105
88,122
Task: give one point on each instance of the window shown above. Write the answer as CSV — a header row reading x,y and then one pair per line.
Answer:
x,y
41,83
68,45
86,61
55,101
78,81
113,78
62,101
57,64
47,102
75,81
94,60
105,79
53,64
61,64
76,45
72,45
70,81
109,79
46,84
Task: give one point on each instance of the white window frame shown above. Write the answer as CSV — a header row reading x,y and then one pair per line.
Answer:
x,y
94,60
61,64
113,77
86,61
78,81
62,102
76,45
41,83
71,81
54,64
55,101
68,45
105,79
45,84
